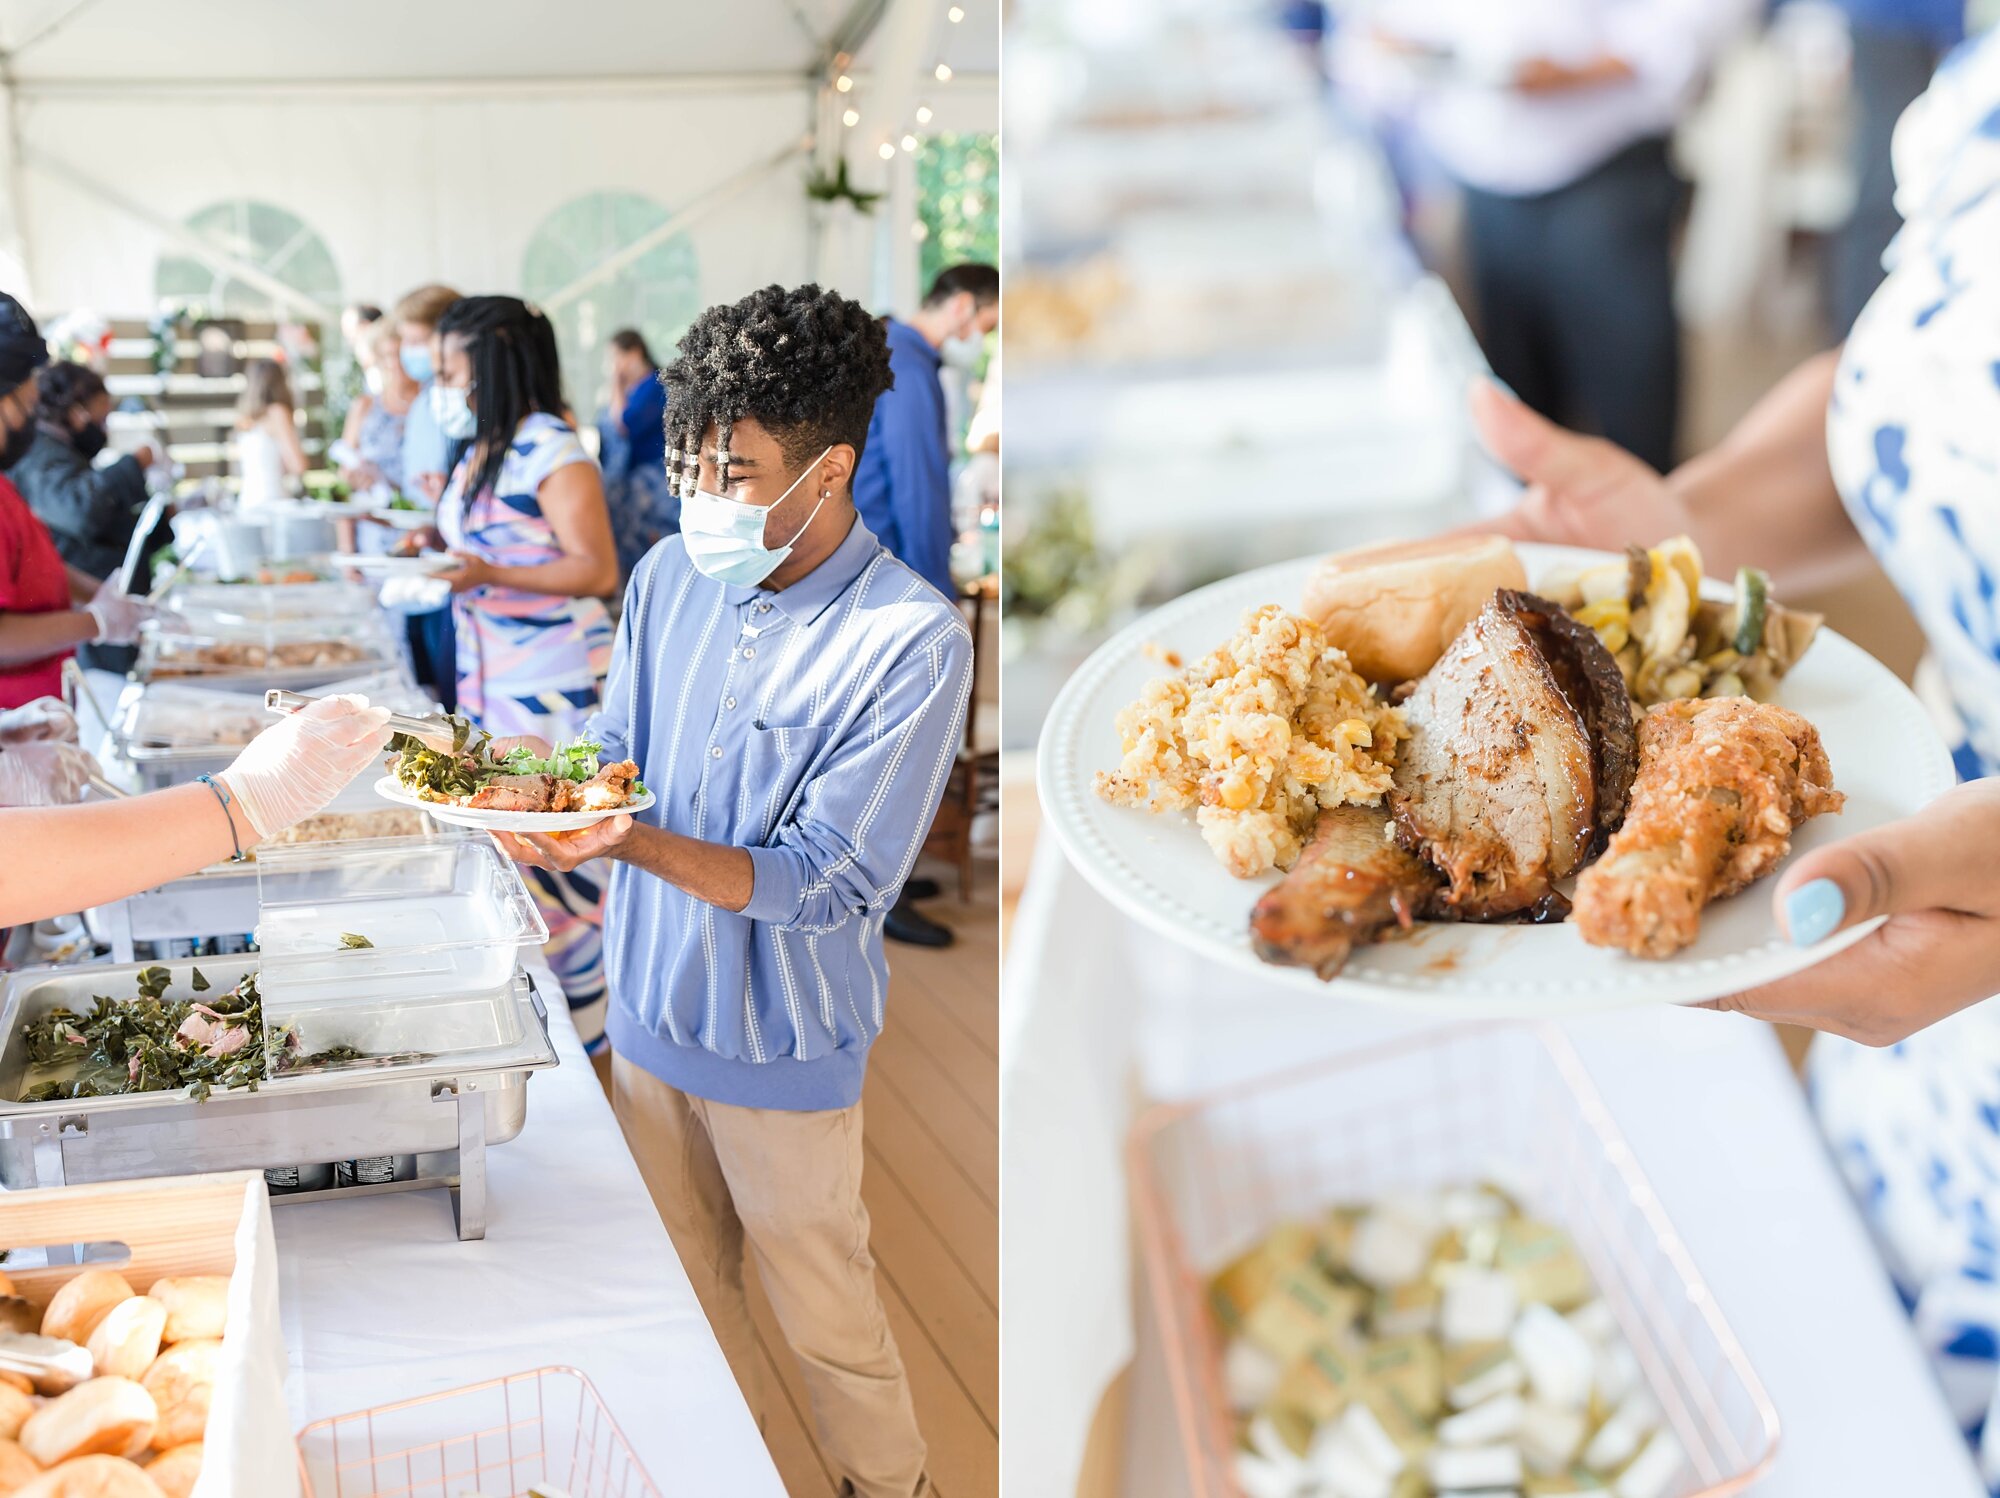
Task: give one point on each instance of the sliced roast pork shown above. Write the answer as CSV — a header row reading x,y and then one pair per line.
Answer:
x,y
516,793
1520,757
1350,885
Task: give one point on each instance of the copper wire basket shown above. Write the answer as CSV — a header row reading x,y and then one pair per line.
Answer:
x,y
1510,1104
498,1439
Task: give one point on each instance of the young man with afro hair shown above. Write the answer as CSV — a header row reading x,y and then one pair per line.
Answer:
x,y
794,696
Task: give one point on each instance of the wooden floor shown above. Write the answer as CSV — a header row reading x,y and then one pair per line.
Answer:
x,y
930,1116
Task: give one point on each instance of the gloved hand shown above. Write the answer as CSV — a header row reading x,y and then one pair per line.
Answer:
x,y
293,768
44,719
44,774
118,614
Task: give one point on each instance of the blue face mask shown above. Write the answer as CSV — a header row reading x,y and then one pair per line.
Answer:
x,y
455,417
725,537
417,362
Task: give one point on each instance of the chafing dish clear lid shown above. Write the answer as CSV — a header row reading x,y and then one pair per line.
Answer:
x,y
205,604
174,719
277,652
440,918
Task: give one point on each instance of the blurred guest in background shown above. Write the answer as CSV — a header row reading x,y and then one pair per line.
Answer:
x,y
633,451
524,513
355,320
267,450
372,440
902,486
90,511
427,458
1553,116
47,608
1896,47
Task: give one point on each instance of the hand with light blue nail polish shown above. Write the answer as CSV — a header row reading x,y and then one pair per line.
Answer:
x,y
1933,880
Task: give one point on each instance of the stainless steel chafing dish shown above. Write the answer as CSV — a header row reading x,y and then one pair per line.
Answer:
x,y
441,1109
302,654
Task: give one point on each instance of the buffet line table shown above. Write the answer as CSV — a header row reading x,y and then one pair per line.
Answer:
x,y
1097,1019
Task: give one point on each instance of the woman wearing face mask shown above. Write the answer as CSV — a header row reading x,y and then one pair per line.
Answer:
x,y
524,513
90,511
47,608
371,441
267,446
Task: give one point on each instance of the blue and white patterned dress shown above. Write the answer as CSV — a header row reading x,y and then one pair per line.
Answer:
x,y
1914,437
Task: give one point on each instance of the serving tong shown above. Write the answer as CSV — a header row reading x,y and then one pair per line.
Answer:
x,y
52,1365
431,728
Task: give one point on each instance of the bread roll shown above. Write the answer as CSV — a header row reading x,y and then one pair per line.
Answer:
x,y
16,1467
15,1408
92,1477
175,1470
17,1315
19,1381
1395,607
6,1284
110,1415
128,1338
81,1303
182,1381
197,1305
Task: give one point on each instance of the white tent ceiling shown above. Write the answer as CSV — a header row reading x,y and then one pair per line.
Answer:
x,y
51,43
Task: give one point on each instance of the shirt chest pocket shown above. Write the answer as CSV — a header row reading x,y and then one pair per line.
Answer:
x,y
777,760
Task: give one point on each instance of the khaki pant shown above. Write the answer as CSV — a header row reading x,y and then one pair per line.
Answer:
x,y
787,1185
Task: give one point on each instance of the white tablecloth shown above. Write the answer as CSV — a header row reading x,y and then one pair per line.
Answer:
x,y
383,1302
1095,1014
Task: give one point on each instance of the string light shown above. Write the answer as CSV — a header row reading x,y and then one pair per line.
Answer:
x,y
887,151
923,114
955,14
844,83
851,118
943,72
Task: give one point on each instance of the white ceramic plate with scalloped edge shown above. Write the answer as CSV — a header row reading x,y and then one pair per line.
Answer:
x,y
1887,758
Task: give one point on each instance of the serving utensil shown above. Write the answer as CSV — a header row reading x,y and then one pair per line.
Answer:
x,y
432,728
52,1365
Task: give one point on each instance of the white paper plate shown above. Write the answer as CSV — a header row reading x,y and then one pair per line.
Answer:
x,y
391,789
428,564
404,520
1886,756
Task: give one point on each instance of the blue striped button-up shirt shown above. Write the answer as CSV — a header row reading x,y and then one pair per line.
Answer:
x,y
814,726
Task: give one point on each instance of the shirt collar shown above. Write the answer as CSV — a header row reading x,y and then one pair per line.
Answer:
x,y
809,597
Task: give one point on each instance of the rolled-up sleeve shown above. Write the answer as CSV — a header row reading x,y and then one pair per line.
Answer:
x,y
864,815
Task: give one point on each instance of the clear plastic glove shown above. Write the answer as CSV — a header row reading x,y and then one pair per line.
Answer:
x,y
46,719
48,774
293,768
119,614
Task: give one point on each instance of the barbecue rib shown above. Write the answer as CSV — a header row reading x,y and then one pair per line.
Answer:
x,y
1723,783
1349,884
1520,757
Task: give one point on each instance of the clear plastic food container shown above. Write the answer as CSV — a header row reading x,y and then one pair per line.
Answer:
x,y
181,721
398,1032
441,919
205,603
1506,1103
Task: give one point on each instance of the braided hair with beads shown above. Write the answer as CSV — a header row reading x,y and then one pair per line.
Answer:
x,y
806,364
516,372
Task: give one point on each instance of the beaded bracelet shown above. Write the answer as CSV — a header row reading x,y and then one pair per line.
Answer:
x,y
222,795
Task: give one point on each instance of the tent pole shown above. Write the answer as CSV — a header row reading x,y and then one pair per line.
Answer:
x,y
700,207
185,237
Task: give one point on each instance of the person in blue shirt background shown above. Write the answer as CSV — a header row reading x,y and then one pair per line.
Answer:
x,y
633,451
903,486
427,458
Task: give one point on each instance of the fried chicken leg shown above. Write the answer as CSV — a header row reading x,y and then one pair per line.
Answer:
x,y
1350,883
1722,785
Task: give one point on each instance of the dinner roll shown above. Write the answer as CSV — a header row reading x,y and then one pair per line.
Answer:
x,y
197,1305
128,1338
81,1303
182,1381
110,1415
175,1470
19,1381
6,1283
16,1467
18,1315
15,1408
1394,607
92,1477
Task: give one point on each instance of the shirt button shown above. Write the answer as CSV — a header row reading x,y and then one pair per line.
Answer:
x,y
729,702
716,752
749,652
763,608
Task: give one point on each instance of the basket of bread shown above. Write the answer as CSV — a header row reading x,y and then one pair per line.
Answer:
x,y
139,1346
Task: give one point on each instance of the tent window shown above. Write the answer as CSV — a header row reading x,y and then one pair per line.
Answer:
x,y
658,293
958,201
275,241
